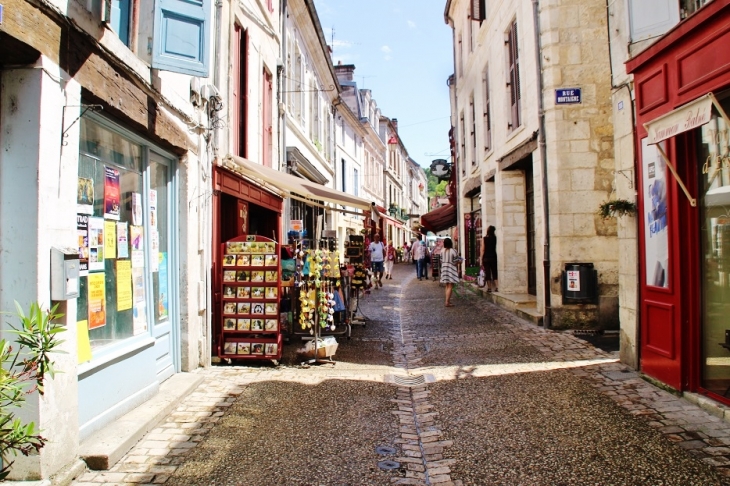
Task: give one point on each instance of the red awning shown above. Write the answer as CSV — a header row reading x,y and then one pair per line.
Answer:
x,y
440,218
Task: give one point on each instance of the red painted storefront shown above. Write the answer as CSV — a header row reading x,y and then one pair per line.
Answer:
x,y
684,280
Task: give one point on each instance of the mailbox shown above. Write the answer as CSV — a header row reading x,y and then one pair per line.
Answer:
x,y
64,273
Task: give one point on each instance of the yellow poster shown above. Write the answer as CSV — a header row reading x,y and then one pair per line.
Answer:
x,y
124,285
110,238
83,345
97,300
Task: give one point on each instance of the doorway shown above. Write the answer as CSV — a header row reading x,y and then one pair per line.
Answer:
x,y
530,230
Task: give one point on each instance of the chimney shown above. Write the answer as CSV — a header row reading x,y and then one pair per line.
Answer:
x,y
345,72
394,121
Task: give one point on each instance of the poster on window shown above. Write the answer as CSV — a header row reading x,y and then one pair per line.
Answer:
x,y
110,239
656,236
162,293
124,285
85,196
153,208
112,201
136,209
97,300
139,312
82,230
96,244
573,280
122,240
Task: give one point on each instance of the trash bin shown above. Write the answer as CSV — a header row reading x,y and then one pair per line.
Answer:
x,y
580,284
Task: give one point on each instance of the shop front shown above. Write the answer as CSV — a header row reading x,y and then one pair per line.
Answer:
x,y
683,139
127,309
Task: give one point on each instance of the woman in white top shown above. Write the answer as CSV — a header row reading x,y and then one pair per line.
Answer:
x,y
449,269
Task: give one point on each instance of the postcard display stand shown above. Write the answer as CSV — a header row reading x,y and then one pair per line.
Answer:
x,y
251,288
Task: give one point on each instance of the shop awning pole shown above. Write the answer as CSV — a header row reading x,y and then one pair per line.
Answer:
x,y
692,201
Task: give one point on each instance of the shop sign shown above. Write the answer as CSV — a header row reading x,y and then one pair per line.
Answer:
x,y
684,118
567,96
296,225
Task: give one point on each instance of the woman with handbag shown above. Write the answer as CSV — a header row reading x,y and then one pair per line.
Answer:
x,y
450,262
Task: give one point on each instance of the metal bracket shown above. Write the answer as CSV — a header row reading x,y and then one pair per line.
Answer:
x,y
86,108
623,173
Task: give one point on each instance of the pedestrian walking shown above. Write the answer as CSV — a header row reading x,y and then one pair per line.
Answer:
x,y
450,262
420,252
489,259
390,254
377,257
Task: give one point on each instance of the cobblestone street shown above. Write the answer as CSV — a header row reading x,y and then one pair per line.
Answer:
x,y
468,395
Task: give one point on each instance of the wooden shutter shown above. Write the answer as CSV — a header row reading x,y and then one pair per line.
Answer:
x,y
181,36
478,10
487,113
514,76
239,101
268,125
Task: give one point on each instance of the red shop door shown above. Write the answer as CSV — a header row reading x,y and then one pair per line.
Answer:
x,y
660,270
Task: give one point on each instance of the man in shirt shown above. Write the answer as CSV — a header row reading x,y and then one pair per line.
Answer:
x,y
420,251
377,257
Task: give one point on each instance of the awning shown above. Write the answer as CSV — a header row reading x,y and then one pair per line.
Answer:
x,y
687,117
440,218
382,213
288,183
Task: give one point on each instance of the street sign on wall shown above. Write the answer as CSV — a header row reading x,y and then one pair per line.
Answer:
x,y
567,96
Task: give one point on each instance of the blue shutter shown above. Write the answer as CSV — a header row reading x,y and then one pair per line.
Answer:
x,y
182,28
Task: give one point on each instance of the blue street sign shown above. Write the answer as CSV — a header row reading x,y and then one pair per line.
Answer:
x,y
567,96
1,14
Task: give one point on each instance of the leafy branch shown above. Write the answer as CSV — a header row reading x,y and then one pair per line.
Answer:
x,y
615,208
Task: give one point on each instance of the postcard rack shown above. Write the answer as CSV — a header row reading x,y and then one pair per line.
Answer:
x,y
249,320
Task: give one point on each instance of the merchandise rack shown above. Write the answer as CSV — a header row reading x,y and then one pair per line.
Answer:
x,y
249,325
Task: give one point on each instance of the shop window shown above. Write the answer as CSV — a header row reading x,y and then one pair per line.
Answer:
x,y
123,233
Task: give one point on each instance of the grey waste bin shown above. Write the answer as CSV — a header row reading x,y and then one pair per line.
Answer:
x,y
580,284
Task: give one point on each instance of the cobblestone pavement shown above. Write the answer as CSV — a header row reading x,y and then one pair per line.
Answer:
x,y
467,395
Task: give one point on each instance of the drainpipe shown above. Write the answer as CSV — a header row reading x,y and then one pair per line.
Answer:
x,y
547,319
281,110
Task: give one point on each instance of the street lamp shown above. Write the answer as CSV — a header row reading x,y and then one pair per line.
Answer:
x,y
441,169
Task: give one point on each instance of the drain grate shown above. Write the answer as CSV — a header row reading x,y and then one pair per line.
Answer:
x,y
388,465
415,380
385,450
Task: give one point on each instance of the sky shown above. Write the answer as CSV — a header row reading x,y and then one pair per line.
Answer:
x,y
402,52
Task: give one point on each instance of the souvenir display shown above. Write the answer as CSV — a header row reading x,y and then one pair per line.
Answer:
x,y
250,287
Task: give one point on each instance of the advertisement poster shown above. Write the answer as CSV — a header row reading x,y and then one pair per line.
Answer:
x,y
162,288
85,196
122,240
136,209
97,300
83,344
124,285
574,280
139,312
153,208
110,239
96,244
656,237
136,237
154,248
82,229
112,200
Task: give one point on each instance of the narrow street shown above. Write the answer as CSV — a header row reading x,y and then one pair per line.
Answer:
x,y
468,395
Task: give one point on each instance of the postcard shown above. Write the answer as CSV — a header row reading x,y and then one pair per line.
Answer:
x,y
229,291
271,260
244,348
229,275
257,276
257,348
257,324
229,324
255,247
257,309
230,348
272,276
257,261
229,261
243,276
271,349
270,247
244,324
229,308
271,325
243,261
243,293
257,292
271,309
272,292
244,308
234,247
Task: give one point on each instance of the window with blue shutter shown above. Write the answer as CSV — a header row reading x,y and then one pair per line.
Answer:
x,y
182,29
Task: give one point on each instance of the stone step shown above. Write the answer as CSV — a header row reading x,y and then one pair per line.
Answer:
x,y
522,305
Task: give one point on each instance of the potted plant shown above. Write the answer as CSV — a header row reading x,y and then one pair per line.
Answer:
x,y
616,207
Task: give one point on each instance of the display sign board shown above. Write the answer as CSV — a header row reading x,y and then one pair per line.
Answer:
x,y
567,96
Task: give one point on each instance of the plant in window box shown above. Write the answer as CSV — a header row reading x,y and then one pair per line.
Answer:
x,y
616,207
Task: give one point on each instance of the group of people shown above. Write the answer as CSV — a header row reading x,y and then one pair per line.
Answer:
x,y
383,256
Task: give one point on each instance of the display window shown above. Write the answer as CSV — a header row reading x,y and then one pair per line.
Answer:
x,y
123,225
